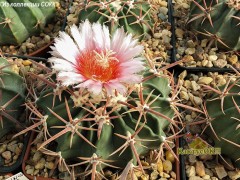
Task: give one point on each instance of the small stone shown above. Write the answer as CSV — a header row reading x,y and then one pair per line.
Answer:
x,y
28,167
154,175
12,147
188,58
47,39
188,118
30,171
157,35
194,99
163,178
209,64
205,80
166,39
30,45
195,178
164,175
163,10
26,63
167,166
12,142
162,16
192,158
18,150
222,56
179,33
233,59
163,3
144,177
50,165
205,157
155,43
204,62
190,44
195,86
220,63
50,158
138,173
206,177
212,58
221,172
7,155
191,171
187,84
190,51
37,156
181,50
214,178
40,164
169,156
185,5
173,175
15,157
160,166
208,172
36,172
234,175
183,75
3,148
200,169
204,43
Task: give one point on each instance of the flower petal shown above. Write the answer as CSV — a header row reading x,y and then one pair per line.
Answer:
x,y
61,64
125,47
77,37
101,37
114,85
65,47
86,34
69,78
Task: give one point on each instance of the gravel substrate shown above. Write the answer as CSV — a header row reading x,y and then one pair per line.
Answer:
x,y
10,149
197,51
207,167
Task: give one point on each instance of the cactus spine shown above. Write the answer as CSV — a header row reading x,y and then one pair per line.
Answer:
x,y
18,23
12,96
133,15
217,21
116,120
224,113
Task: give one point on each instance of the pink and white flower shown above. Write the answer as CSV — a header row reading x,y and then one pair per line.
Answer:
x,y
94,60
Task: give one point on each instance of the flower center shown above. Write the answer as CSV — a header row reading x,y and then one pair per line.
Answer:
x,y
101,66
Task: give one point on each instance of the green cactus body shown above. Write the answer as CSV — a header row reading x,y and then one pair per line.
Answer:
x,y
119,14
124,123
225,24
225,125
11,85
19,21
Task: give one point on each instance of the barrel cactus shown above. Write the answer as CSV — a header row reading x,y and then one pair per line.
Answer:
x,y
23,19
102,106
223,110
97,128
217,21
12,97
133,15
